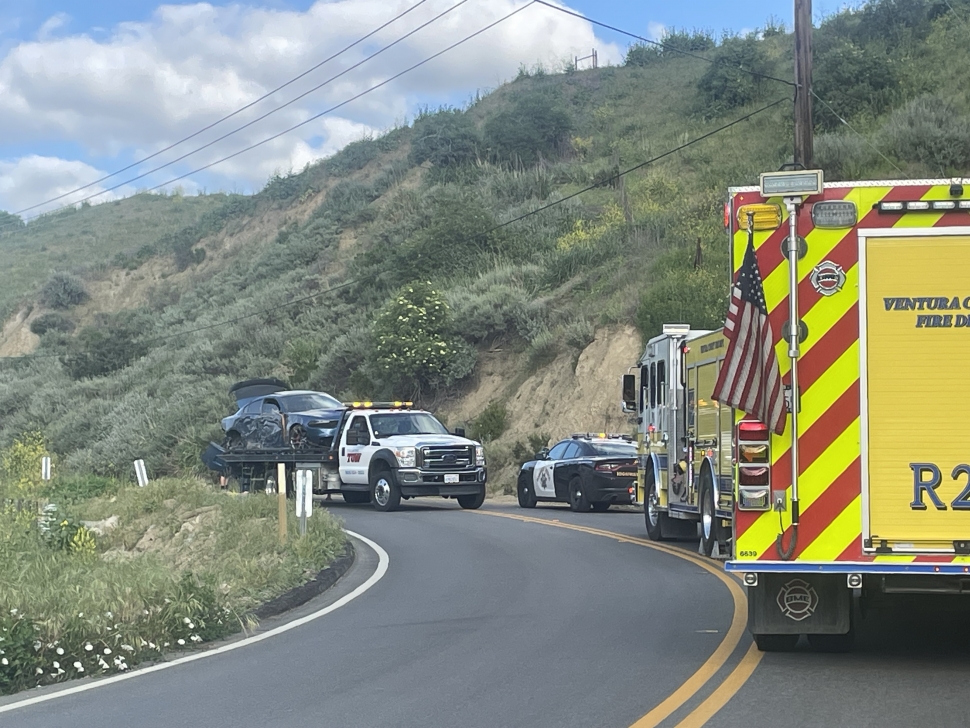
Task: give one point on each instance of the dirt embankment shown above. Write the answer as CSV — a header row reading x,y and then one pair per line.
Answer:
x,y
572,394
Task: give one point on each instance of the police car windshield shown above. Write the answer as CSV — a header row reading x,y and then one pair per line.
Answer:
x,y
614,448
406,423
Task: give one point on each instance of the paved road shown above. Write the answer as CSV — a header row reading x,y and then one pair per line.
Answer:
x,y
479,621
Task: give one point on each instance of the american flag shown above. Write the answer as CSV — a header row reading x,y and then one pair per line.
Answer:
x,y
749,379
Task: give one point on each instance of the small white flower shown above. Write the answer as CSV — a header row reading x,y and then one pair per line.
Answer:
x,y
57,665
181,641
3,661
166,644
191,626
60,650
80,614
107,650
109,615
79,667
37,646
186,620
128,648
13,612
38,671
88,647
60,671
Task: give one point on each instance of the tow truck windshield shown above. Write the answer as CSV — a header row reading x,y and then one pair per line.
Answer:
x,y
406,423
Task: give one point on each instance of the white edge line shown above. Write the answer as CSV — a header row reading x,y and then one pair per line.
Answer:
x,y
378,574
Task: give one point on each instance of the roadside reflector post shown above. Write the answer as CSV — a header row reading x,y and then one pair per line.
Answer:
x,y
281,498
304,497
45,468
141,474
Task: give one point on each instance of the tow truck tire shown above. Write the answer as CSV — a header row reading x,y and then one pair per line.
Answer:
x,y
776,642
577,496
527,498
355,497
472,502
710,526
601,507
384,494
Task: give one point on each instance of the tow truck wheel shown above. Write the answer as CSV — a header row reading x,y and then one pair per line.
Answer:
x,y
601,507
577,497
355,497
384,493
710,528
776,642
472,502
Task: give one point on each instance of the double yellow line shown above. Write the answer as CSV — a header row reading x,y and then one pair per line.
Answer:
x,y
693,685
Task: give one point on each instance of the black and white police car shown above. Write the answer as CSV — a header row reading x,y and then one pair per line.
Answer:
x,y
588,471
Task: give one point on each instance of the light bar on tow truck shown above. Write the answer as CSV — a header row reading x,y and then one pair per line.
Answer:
x,y
379,405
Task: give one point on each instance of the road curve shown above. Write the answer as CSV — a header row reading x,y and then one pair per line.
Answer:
x,y
479,621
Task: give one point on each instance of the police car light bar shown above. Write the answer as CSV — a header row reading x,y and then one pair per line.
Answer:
x,y
898,206
601,436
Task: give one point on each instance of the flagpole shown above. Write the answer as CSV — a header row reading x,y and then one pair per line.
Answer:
x,y
794,324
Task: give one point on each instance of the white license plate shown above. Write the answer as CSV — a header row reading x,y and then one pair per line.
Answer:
x,y
451,477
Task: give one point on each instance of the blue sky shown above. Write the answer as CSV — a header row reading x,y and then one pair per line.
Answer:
x,y
88,87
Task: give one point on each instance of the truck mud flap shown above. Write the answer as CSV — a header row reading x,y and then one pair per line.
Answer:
x,y
799,604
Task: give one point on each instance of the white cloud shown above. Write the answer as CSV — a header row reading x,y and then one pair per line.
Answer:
x,y
145,85
655,30
46,30
32,178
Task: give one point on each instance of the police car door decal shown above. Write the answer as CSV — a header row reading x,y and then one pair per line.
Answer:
x,y
543,479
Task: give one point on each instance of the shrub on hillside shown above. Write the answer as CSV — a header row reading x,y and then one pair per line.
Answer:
x,y
853,80
533,127
844,156
642,54
63,290
52,322
931,131
727,84
446,139
491,422
677,42
100,350
695,297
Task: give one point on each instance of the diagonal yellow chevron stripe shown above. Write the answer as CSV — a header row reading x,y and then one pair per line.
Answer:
x,y
835,539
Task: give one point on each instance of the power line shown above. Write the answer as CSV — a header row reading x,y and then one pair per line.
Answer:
x,y
514,220
664,46
267,114
228,116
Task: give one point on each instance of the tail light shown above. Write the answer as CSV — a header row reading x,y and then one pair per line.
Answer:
x,y
753,457
613,467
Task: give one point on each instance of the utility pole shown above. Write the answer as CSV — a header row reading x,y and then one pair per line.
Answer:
x,y
804,130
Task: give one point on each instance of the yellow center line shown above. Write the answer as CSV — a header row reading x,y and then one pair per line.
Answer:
x,y
725,691
718,658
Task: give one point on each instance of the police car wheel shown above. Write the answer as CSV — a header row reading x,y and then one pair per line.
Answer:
x,y
577,496
776,642
527,499
384,493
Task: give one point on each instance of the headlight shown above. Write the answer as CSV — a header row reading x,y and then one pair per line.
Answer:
x,y
479,456
405,457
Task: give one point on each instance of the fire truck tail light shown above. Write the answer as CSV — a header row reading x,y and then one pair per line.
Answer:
x,y
754,499
752,430
752,476
753,453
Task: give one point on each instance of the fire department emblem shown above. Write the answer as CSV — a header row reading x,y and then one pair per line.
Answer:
x,y
828,278
797,600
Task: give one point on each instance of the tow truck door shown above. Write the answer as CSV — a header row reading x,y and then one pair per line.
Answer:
x,y
352,462
914,339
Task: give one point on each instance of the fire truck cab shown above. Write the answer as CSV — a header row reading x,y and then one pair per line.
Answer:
x,y
683,438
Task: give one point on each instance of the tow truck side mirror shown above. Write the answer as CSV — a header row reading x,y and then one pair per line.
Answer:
x,y
629,395
460,431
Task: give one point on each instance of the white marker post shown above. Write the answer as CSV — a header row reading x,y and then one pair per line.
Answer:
x,y
141,474
45,468
304,497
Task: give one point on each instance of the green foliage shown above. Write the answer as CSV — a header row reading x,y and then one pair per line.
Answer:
x,y
63,290
843,156
9,221
642,54
446,139
100,350
930,131
854,81
533,127
491,422
677,42
681,294
300,358
728,84
52,321
413,342
20,466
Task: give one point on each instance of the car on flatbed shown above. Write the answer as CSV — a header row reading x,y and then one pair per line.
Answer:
x,y
587,471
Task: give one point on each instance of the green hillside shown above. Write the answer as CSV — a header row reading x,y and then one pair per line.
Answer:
x,y
444,238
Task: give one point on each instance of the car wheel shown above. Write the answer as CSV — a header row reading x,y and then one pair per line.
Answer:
x,y
710,527
527,499
384,493
776,642
298,438
355,497
577,496
601,507
472,502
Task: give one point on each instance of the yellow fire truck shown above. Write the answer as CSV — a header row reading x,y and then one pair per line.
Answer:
x,y
866,491
683,437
